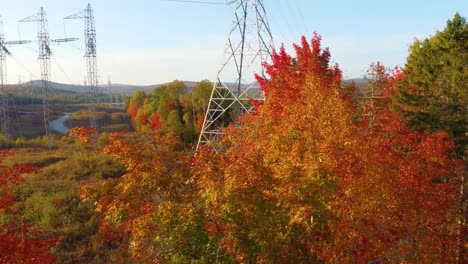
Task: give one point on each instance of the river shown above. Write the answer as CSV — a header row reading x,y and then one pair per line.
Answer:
x,y
58,125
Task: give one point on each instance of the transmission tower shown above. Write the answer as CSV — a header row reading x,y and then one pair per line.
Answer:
x,y
248,46
4,108
4,94
91,62
109,89
44,60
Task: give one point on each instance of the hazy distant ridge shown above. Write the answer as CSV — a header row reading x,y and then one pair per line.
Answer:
x,y
122,88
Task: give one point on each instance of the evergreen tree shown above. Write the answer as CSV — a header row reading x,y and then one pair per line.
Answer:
x,y
433,93
173,124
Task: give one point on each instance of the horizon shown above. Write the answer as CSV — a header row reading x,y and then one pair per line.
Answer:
x,y
141,85
144,43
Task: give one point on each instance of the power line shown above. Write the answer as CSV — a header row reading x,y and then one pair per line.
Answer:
x,y
284,18
22,65
197,2
301,16
61,69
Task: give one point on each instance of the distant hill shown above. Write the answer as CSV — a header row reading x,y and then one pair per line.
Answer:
x,y
62,88
115,88
36,89
361,83
58,86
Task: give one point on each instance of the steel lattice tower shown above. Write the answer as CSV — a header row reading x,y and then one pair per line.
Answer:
x,y
4,117
44,60
91,62
248,46
109,88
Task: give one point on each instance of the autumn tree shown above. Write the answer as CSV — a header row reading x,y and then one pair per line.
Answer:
x,y
178,111
201,96
302,181
377,84
138,98
176,89
173,124
151,213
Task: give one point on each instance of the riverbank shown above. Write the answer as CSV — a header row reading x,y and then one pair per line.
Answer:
x,y
58,125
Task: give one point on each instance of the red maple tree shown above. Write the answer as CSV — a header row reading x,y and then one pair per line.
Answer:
x,y
304,179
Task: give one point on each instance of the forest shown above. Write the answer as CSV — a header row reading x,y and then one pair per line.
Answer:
x,y
322,171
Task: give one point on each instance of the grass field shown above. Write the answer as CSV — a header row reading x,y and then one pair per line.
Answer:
x,y
49,199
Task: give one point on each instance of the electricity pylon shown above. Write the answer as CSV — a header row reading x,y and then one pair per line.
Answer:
x,y
5,120
4,107
44,60
109,89
91,62
248,46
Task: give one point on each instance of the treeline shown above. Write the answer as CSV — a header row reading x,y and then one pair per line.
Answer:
x,y
171,108
25,95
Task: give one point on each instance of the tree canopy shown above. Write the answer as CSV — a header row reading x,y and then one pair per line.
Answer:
x,y
302,180
434,93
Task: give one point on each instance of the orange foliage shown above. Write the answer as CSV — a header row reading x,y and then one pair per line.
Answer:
x,y
302,180
83,134
133,111
156,122
135,204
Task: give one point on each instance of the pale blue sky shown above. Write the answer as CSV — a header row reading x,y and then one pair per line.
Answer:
x,y
148,42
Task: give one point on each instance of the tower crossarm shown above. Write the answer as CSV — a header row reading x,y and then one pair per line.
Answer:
x,y
17,42
79,15
33,18
62,40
